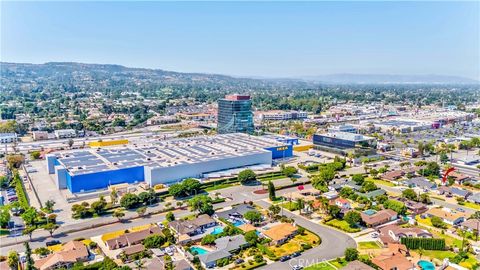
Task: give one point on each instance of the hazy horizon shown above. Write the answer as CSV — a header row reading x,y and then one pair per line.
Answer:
x,y
246,39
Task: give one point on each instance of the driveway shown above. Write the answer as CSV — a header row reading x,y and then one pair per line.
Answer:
x,y
333,243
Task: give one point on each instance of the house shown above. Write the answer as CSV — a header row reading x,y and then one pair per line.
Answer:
x,y
236,212
357,265
460,178
420,182
71,253
330,195
281,233
416,208
453,191
394,258
225,247
132,238
475,198
247,227
338,184
193,227
372,194
447,215
373,218
393,233
393,175
159,263
342,203
471,225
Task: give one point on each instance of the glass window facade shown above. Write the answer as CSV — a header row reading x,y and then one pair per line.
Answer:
x,y
235,116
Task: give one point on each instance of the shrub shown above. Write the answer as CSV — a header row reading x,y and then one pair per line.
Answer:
x,y
424,243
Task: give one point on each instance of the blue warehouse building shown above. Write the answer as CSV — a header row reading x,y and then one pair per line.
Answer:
x,y
162,162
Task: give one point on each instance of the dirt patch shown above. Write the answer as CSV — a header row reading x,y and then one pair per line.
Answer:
x,y
261,191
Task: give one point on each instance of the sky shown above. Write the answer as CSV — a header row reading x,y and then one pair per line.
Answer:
x,y
261,39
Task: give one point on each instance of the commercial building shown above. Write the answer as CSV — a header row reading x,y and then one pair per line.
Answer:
x,y
162,162
8,137
343,142
65,133
343,128
278,115
40,135
235,114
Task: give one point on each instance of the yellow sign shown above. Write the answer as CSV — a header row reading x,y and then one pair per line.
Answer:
x,y
283,148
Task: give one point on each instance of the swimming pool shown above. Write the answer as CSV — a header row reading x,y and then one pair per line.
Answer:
x,y
426,265
238,223
198,250
217,230
369,212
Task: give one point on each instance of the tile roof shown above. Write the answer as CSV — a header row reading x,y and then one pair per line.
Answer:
x,y
280,231
446,214
382,215
357,265
71,252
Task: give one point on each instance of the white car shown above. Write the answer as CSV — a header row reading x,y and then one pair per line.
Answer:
x,y
374,235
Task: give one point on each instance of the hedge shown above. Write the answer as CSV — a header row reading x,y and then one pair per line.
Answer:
x,y
20,190
424,243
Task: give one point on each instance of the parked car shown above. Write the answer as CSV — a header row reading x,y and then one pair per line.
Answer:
x,y
239,261
297,267
460,210
284,258
52,243
295,254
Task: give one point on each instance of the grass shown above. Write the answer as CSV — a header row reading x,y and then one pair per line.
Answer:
x,y
424,221
472,205
442,254
342,225
291,206
321,266
116,234
384,183
87,242
295,244
220,186
368,245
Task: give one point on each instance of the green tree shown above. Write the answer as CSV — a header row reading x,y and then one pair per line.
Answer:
x,y
129,201
438,222
35,154
13,259
170,216
29,231
274,210
30,216
396,206
271,191
251,237
368,186
141,211
99,206
246,176
334,211
154,241
289,171
208,239
50,228
326,174
352,217
253,216
443,158
351,254
49,206
358,178
4,217
202,204
119,214
409,194
114,196
29,263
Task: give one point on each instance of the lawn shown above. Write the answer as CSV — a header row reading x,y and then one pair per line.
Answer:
x,y
220,186
441,254
55,248
424,221
321,266
116,234
291,206
472,205
295,244
384,183
342,225
368,245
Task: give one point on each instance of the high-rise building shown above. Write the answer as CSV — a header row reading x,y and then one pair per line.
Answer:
x,y
235,114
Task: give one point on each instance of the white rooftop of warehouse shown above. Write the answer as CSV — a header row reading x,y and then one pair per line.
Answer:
x,y
347,136
164,153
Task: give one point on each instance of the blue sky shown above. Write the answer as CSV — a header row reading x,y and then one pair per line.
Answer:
x,y
274,39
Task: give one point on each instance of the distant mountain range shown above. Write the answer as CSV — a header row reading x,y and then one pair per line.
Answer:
x,y
96,76
390,79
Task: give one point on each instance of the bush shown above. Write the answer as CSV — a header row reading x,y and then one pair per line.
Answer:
x,y
424,243
246,176
351,254
129,201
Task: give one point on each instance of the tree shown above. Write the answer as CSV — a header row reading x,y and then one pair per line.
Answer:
x,y
176,190
49,206
396,206
438,222
443,158
154,241
374,173
351,254
202,204
119,214
142,210
15,161
13,259
29,231
425,198
274,209
51,227
326,174
191,185
79,211
70,143
4,217
253,216
35,154
114,196
129,201
368,186
99,206
208,239
358,178
289,171
30,216
334,211
170,216
352,217
251,237
146,197
28,256
271,191
246,176
409,194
